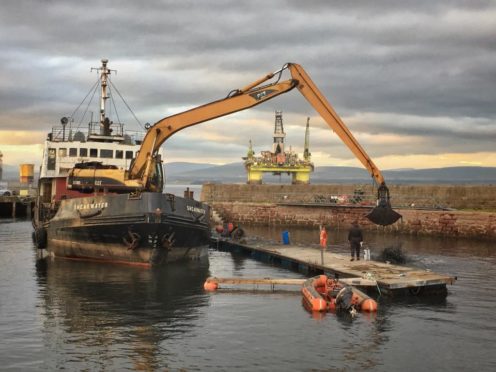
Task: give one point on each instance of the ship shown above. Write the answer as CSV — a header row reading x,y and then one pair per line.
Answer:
x,y
85,210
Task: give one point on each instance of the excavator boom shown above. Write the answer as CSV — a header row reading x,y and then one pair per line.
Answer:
x,y
143,169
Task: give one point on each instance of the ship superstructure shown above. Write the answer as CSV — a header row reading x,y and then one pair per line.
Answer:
x,y
66,147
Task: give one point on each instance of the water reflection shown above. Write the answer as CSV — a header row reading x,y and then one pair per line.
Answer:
x,y
119,313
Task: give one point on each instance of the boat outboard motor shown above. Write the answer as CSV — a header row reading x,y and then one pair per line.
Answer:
x,y
344,299
383,214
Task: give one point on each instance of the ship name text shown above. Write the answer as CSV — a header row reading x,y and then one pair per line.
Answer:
x,y
101,205
190,208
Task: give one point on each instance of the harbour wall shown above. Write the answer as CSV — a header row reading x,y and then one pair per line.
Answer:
x,y
473,197
283,205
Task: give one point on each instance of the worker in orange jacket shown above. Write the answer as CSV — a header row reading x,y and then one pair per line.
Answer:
x,y
323,237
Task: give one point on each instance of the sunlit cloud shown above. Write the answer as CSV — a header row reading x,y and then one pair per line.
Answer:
x,y
486,159
12,139
20,154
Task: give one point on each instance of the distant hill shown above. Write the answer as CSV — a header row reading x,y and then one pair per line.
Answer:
x,y
235,173
10,172
227,173
199,173
340,174
183,167
443,175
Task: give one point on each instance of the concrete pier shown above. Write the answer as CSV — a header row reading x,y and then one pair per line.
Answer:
x,y
389,279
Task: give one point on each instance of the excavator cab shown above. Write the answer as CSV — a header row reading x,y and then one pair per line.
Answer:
x,y
156,178
383,214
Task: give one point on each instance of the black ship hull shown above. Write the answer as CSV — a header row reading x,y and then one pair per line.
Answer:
x,y
150,229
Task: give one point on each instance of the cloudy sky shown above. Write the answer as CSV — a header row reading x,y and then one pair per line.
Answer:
x,y
414,81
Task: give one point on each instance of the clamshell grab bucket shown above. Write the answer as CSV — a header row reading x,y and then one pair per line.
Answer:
x,y
383,214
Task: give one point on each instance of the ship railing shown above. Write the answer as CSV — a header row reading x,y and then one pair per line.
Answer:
x,y
116,129
69,134
59,134
136,136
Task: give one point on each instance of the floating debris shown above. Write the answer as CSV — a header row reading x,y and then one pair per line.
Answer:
x,y
393,254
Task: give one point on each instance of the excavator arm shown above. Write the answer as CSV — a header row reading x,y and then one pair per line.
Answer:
x,y
383,214
252,95
144,167
312,94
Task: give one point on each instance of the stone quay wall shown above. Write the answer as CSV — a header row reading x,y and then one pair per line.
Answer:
x,y
230,202
473,197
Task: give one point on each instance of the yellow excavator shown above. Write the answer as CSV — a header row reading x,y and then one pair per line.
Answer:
x,y
144,173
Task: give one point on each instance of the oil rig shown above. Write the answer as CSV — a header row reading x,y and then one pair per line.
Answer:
x,y
278,160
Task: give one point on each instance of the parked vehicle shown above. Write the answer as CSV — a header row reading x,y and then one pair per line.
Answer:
x,y
6,192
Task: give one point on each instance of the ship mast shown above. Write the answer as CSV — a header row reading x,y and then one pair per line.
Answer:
x,y
104,120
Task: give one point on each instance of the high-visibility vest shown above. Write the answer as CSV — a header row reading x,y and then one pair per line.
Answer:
x,y
323,238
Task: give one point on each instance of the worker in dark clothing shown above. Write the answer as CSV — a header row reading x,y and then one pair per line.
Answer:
x,y
355,238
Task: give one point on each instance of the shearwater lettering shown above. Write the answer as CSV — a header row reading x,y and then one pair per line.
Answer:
x,y
190,208
91,206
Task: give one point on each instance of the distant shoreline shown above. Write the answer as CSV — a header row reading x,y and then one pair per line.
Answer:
x,y
200,173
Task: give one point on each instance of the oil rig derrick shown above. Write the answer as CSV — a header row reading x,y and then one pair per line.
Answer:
x,y
279,160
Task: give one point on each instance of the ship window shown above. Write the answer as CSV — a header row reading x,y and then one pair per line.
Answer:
x,y
119,154
83,152
62,152
73,152
93,153
108,154
52,158
129,154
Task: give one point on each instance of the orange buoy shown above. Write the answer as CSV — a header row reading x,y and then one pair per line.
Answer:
x,y
210,285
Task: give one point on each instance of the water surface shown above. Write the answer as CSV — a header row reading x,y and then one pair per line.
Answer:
x,y
58,314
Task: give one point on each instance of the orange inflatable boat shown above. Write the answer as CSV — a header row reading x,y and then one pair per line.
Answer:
x,y
323,294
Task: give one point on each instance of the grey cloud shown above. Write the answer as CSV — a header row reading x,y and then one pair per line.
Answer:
x,y
425,59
